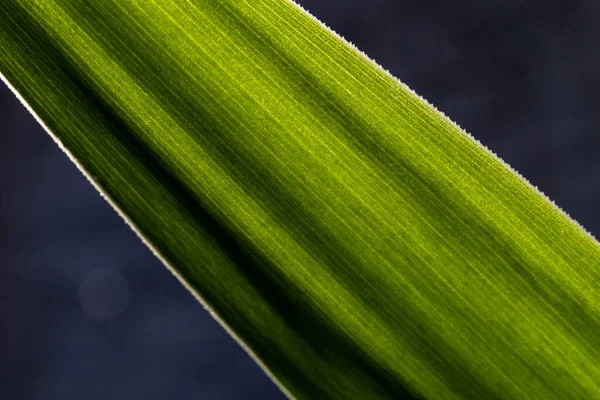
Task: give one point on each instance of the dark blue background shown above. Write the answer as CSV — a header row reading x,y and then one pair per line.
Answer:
x,y
86,312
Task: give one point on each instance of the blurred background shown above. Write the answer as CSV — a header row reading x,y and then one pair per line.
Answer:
x,y
86,312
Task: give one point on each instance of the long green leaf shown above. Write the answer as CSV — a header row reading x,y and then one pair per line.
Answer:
x,y
356,242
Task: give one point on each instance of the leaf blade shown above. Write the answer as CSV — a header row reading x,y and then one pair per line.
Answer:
x,y
323,197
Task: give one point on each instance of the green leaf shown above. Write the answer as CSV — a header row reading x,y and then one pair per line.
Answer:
x,y
353,239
